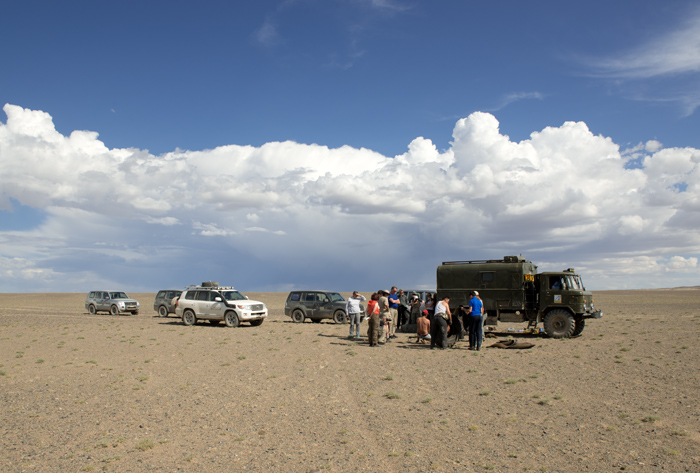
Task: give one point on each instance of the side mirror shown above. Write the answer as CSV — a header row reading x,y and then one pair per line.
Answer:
x,y
217,299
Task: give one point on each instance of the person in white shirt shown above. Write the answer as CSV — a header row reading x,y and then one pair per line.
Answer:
x,y
439,324
354,311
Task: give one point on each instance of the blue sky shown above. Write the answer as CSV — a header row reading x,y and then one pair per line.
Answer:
x,y
346,143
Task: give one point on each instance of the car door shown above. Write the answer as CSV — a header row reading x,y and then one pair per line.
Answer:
x,y
309,300
202,304
216,308
103,302
324,306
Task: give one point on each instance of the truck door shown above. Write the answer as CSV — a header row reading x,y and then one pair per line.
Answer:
x,y
553,291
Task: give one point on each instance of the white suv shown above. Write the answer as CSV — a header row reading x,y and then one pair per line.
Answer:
x,y
215,304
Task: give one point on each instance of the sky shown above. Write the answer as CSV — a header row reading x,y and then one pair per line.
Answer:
x,y
346,144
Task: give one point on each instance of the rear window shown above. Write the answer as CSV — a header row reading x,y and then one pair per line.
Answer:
x,y
160,295
190,295
294,296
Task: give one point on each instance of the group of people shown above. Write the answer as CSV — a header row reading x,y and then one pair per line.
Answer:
x,y
388,311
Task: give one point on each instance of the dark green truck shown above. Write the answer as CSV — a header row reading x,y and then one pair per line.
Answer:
x,y
513,291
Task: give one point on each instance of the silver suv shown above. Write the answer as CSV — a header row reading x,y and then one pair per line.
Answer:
x,y
114,302
215,304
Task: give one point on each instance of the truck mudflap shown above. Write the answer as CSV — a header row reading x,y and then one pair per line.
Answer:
x,y
594,315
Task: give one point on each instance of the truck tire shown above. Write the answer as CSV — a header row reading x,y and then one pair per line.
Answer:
x,y
339,317
163,311
578,328
92,309
298,316
114,310
256,323
558,323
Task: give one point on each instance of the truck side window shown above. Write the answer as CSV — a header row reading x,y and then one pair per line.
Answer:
x,y
487,277
555,282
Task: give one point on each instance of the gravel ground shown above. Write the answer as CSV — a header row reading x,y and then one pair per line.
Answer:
x,y
143,393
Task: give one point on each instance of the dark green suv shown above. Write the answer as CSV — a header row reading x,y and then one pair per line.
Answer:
x,y
316,306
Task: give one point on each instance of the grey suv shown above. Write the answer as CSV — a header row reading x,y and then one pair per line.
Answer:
x,y
163,304
315,305
215,304
114,302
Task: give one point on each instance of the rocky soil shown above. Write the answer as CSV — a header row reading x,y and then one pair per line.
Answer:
x,y
142,393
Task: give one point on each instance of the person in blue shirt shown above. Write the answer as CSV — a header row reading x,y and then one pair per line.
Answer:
x,y
476,314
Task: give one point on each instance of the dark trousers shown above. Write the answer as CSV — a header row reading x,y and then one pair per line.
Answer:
x,y
476,333
373,329
403,316
438,332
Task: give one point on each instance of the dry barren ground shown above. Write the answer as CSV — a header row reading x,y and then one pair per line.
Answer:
x,y
141,393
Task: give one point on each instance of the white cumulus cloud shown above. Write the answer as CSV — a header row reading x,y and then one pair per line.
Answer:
x,y
287,213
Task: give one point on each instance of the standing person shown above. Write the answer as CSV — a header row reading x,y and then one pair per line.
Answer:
x,y
352,307
429,305
439,323
393,312
403,309
373,324
416,304
476,310
456,324
423,330
384,314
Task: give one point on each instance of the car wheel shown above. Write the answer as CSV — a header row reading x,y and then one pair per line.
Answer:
x,y
339,317
188,318
231,319
298,316
163,311
92,309
559,324
114,310
256,323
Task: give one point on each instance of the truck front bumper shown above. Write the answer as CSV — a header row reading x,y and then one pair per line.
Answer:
x,y
594,315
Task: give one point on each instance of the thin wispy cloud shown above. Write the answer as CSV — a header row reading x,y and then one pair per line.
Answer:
x,y
516,97
647,72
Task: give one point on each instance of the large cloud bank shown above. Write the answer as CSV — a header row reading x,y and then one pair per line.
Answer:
x,y
288,215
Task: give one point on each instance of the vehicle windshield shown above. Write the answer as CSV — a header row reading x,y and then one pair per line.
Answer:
x,y
233,296
573,282
118,295
335,297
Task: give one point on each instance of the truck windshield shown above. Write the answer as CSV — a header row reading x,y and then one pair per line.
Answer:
x,y
118,295
573,282
233,296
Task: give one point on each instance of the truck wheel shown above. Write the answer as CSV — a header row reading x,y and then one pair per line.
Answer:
x,y
339,317
188,318
578,328
256,323
231,319
298,316
92,309
559,324
114,310
163,311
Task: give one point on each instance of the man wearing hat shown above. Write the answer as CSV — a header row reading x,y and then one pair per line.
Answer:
x,y
354,311
476,311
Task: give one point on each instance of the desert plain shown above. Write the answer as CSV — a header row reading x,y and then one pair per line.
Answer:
x,y
83,393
